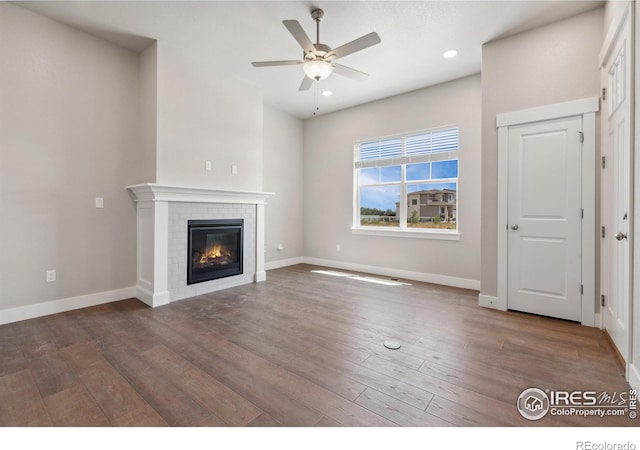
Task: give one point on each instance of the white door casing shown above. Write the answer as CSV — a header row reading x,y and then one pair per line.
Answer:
x,y
617,214
545,214
586,108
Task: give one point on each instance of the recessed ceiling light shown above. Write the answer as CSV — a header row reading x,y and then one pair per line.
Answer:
x,y
449,54
327,93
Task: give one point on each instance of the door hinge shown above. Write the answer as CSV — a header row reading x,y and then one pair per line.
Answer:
x,y
581,135
604,164
602,300
604,93
602,233
581,289
582,213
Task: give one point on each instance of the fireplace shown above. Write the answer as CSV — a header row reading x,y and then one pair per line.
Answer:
x,y
214,250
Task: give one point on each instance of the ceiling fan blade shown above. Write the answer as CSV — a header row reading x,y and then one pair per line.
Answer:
x,y
275,63
356,45
306,84
298,33
349,72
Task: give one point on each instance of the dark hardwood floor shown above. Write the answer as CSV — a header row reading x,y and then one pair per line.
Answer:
x,y
301,349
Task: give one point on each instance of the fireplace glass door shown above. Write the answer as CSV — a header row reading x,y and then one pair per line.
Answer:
x,y
214,250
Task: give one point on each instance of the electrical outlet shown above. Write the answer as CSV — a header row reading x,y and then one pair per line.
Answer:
x,y
234,169
207,166
51,276
337,247
99,202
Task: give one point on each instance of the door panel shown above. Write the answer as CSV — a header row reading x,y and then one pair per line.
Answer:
x,y
545,204
616,190
544,279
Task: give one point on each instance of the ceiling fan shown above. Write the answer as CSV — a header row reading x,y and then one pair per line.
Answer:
x,y
318,59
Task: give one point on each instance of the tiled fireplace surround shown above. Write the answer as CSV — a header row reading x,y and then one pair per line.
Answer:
x,y
162,216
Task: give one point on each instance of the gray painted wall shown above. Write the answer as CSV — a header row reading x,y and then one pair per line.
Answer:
x,y
205,115
68,133
328,181
282,174
551,64
148,113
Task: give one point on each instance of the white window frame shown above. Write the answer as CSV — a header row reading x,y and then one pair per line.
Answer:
x,y
402,230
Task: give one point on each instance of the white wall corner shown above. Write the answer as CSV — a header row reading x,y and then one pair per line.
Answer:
x,y
489,301
634,377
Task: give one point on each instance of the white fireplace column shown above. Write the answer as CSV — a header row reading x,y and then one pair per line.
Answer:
x,y
153,235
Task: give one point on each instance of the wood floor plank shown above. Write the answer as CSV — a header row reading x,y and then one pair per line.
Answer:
x,y
142,417
20,402
397,411
83,358
226,404
327,422
459,415
264,420
51,373
115,396
13,361
75,407
172,404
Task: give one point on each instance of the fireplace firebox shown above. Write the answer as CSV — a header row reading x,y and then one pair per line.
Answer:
x,y
215,249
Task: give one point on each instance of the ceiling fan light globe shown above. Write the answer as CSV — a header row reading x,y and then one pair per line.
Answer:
x,y
317,70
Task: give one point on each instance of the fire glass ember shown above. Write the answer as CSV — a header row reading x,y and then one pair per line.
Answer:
x,y
215,249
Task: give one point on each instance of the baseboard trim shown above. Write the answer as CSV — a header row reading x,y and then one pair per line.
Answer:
x,y
62,305
489,301
634,377
283,263
445,280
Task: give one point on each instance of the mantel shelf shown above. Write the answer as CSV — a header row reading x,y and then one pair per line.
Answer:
x,y
157,192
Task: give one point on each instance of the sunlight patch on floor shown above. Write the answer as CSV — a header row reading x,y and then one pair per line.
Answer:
x,y
351,276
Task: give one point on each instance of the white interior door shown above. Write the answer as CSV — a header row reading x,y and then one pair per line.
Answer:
x,y
616,189
544,213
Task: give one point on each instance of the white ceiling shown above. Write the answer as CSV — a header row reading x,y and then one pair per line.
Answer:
x,y
234,33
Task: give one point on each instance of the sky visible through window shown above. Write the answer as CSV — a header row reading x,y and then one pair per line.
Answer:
x,y
385,197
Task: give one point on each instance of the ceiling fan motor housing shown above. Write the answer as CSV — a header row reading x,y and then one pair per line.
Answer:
x,y
321,52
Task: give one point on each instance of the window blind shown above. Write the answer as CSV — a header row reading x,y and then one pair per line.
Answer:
x,y
434,145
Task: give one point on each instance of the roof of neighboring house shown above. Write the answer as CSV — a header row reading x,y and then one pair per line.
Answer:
x,y
434,191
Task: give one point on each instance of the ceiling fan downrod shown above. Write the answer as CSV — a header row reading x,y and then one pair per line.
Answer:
x,y
317,15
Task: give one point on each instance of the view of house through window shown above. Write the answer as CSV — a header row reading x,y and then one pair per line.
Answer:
x,y
408,181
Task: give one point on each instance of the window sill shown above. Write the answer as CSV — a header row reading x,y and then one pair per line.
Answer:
x,y
443,235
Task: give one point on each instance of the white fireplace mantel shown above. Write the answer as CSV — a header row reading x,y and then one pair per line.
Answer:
x,y
152,204
158,192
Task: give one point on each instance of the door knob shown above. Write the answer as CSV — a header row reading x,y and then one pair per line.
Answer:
x,y
620,235
514,227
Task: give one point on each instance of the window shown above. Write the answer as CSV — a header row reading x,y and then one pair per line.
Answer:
x,y
407,182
